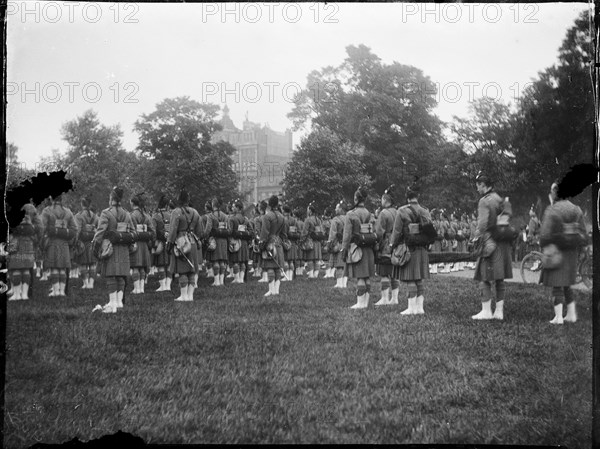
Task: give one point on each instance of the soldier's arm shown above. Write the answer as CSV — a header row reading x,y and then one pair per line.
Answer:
x,y
305,228
208,226
397,231
151,228
548,226
174,225
198,228
73,225
102,227
483,216
380,225
265,228
582,226
347,232
332,230
130,224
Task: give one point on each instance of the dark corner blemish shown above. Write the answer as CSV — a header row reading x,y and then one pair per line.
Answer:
x,y
118,439
35,189
577,179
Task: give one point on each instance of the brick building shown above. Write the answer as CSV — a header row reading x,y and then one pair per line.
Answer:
x,y
261,156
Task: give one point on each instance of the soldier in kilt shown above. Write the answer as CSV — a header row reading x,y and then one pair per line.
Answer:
x,y
452,241
384,227
115,267
326,225
465,236
228,266
363,269
446,244
291,231
472,230
533,235
42,272
417,268
437,244
300,252
560,213
184,245
60,229
261,208
312,230
336,234
160,258
74,251
23,241
240,227
496,266
272,232
217,226
256,222
88,223
140,259
203,222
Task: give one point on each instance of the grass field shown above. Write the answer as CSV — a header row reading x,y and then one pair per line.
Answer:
x,y
234,367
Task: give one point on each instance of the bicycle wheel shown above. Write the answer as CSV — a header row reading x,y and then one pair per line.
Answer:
x,y
586,273
531,268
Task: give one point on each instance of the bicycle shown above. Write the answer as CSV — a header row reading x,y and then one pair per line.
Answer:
x,y
585,271
532,265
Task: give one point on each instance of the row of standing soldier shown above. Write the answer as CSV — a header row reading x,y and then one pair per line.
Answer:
x,y
278,243
71,249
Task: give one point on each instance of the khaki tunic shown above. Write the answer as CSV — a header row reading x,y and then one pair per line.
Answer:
x,y
498,265
555,215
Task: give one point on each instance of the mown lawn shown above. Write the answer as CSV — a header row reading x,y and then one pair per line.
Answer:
x,y
234,367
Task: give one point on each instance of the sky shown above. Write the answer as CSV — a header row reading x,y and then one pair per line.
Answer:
x,y
121,59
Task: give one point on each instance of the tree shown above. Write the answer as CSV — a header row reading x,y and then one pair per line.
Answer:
x,y
451,182
16,172
324,169
95,160
554,127
384,108
176,140
487,137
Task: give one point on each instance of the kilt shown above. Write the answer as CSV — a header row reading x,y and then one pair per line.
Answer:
x,y
74,258
324,252
25,257
315,253
270,264
437,246
242,256
117,264
386,270
255,258
161,260
87,258
364,268
221,253
336,260
291,254
141,257
563,276
39,254
417,267
57,254
496,267
181,266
